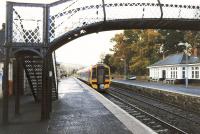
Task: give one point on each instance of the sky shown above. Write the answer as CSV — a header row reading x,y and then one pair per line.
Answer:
x,y
85,50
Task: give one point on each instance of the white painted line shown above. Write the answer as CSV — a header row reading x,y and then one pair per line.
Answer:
x,y
134,125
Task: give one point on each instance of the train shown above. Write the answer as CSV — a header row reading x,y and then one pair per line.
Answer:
x,y
97,76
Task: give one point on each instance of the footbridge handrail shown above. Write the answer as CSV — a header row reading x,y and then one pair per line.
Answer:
x,y
74,18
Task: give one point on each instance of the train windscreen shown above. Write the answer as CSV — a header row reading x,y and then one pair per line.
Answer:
x,y
100,76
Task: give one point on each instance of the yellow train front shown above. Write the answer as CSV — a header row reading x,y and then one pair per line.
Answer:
x,y
97,76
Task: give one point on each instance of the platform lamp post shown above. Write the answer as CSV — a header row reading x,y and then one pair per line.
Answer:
x,y
124,57
187,46
125,70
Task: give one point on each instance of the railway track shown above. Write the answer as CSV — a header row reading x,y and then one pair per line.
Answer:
x,y
159,105
126,102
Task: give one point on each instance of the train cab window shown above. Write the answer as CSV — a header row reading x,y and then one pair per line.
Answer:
x,y
94,73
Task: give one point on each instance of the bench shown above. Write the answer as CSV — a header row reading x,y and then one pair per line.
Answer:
x,y
154,80
170,81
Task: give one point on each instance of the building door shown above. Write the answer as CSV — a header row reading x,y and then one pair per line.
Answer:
x,y
164,74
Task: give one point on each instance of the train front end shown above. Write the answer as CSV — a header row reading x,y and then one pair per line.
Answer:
x,y
100,79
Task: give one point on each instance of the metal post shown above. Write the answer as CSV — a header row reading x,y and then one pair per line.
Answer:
x,y
5,84
125,70
186,55
16,68
45,112
15,83
50,82
5,87
21,76
104,10
56,69
186,78
45,106
19,85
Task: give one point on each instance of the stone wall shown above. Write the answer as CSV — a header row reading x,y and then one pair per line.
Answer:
x,y
186,102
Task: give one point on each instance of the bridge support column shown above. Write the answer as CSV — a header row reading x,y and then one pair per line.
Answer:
x,y
18,84
50,82
5,86
45,112
46,82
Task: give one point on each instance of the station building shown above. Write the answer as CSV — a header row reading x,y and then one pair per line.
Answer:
x,y
173,68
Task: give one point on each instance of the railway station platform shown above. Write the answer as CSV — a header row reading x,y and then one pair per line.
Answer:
x,y
185,98
79,110
181,89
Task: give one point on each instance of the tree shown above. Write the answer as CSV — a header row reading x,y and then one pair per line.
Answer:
x,y
108,60
141,48
193,38
135,46
169,39
146,51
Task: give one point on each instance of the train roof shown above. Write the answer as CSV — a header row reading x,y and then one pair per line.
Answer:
x,y
92,66
100,64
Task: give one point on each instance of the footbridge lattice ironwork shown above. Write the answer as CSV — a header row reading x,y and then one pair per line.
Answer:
x,y
42,28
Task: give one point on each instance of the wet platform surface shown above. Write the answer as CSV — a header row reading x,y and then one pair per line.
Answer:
x,y
159,86
76,112
79,112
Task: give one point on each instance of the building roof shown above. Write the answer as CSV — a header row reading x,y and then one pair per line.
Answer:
x,y
177,59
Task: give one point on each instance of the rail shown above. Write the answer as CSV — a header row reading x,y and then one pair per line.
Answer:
x,y
162,129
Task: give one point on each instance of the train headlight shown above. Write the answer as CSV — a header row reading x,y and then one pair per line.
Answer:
x,y
101,86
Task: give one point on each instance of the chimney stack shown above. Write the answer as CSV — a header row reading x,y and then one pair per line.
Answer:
x,y
196,51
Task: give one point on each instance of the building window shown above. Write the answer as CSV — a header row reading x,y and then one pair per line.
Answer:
x,y
192,74
196,74
183,74
174,72
171,74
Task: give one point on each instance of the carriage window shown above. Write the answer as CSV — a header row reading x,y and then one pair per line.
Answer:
x,y
94,73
